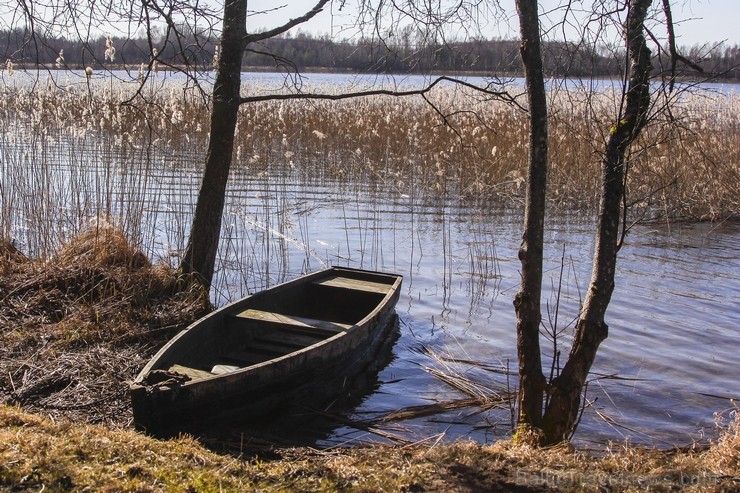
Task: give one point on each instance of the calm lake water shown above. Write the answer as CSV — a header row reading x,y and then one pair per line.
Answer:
x,y
669,364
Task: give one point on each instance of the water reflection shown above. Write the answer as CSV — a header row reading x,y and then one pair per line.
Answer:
x,y
673,320
672,338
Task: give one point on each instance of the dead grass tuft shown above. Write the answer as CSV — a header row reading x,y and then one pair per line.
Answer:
x,y
75,328
102,245
724,455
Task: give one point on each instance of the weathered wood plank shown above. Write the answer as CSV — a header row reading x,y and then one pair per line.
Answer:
x,y
193,373
280,318
356,284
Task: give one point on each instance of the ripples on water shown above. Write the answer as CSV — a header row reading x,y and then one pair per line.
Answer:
x,y
666,368
668,365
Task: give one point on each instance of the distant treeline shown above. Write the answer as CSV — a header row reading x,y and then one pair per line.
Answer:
x,y
497,57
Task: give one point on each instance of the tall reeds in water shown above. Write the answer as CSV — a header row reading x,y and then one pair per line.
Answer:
x,y
71,151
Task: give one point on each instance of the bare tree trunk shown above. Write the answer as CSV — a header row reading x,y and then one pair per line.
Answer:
x,y
200,256
527,302
199,261
565,392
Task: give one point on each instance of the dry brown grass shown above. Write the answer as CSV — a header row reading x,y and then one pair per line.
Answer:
x,y
684,166
36,453
102,245
724,455
75,327
624,467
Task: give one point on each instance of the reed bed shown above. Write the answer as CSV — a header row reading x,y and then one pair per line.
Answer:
x,y
71,150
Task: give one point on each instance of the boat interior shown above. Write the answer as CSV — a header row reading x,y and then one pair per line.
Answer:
x,y
277,322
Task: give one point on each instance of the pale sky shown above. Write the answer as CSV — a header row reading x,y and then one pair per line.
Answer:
x,y
697,21
708,21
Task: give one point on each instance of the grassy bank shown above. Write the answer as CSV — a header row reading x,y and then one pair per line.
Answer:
x,y
38,454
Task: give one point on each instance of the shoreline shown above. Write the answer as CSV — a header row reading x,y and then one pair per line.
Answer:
x,y
81,457
698,78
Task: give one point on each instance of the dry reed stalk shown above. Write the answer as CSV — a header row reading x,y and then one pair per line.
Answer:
x,y
437,408
723,457
479,395
70,153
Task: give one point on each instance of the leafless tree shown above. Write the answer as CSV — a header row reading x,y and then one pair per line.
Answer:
x,y
550,407
189,31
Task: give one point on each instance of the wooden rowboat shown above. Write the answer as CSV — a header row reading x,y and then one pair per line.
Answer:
x,y
267,350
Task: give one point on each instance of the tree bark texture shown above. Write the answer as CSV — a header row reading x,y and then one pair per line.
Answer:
x,y
565,392
198,263
200,255
527,302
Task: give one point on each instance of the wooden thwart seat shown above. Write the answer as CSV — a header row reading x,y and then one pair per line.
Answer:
x,y
356,284
280,318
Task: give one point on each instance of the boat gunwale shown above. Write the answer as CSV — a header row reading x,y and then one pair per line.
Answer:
x,y
138,383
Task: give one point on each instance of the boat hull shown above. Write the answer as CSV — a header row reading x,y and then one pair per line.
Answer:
x,y
307,338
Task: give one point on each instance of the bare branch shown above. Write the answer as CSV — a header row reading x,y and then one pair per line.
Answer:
x,y
503,95
675,56
253,38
